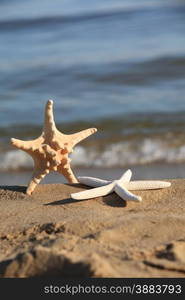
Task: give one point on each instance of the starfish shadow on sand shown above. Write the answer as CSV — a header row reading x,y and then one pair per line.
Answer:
x,y
114,201
110,200
78,185
13,188
62,202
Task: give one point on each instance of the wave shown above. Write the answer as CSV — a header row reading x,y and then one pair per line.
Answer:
x,y
127,12
56,20
138,73
118,127
119,154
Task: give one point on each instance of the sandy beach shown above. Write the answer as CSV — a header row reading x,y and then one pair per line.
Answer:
x,y
49,234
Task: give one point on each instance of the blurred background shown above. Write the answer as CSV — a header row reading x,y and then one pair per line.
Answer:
x,y
112,64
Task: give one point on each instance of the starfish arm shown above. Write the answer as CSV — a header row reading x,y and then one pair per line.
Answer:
x,y
93,193
79,136
146,185
67,172
91,181
49,122
125,194
126,176
97,182
37,176
26,145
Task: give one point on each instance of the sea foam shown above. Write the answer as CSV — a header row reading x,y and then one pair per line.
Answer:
x,y
114,155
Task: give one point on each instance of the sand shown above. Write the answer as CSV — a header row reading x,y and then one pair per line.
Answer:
x,y
49,234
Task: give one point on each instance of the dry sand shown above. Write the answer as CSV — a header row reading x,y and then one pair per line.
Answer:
x,y
49,234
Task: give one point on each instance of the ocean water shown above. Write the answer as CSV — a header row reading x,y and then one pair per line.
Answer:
x,y
116,65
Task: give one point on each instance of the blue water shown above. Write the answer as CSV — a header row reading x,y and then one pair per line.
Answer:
x,y
100,61
96,59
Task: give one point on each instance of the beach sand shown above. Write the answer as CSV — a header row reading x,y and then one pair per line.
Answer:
x,y
49,234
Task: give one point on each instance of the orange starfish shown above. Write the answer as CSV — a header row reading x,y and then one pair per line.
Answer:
x,y
50,151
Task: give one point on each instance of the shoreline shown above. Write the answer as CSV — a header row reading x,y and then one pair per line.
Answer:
x,y
140,172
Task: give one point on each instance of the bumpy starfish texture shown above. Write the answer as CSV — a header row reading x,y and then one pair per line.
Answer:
x,y
50,151
120,187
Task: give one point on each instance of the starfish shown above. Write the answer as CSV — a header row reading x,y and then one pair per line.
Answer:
x,y
120,187
50,150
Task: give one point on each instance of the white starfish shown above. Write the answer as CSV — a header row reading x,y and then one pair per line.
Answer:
x,y
120,187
